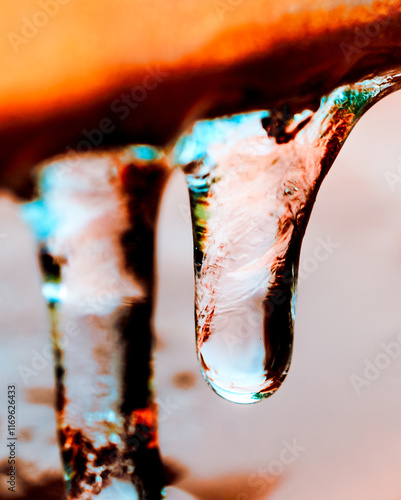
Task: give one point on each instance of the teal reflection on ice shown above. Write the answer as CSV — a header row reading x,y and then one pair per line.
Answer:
x,y
195,145
145,152
42,221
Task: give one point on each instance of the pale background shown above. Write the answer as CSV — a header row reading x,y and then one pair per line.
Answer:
x,y
346,308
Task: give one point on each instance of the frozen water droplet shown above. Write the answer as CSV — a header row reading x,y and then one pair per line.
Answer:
x,y
251,198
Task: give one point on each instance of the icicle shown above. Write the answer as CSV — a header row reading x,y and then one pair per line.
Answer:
x,y
251,194
95,223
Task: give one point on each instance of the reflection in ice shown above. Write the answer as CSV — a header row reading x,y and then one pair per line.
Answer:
x,y
251,194
253,180
95,222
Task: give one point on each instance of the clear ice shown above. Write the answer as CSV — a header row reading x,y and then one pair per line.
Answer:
x,y
252,181
94,221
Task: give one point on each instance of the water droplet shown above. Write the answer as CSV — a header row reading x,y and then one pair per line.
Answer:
x,y
251,198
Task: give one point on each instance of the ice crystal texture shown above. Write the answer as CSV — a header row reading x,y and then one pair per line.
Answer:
x,y
253,180
95,221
